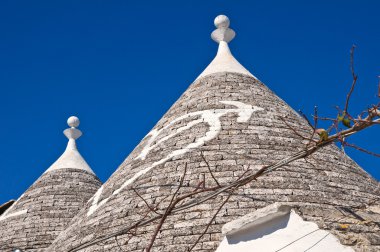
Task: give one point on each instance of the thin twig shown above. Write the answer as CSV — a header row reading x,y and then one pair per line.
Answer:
x,y
167,212
146,203
361,149
354,79
326,118
305,117
210,222
315,117
292,129
117,243
209,169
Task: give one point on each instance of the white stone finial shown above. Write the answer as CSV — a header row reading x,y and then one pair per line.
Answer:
x,y
73,122
223,32
71,158
224,61
72,133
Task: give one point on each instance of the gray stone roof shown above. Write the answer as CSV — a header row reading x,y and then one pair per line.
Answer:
x,y
237,122
44,210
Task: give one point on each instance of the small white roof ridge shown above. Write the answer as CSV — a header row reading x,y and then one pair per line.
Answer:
x,y
224,61
71,158
256,218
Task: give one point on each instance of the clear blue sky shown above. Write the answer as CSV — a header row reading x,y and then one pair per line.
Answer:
x,y
119,66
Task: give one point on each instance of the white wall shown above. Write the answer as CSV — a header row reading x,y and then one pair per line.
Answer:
x,y
286,233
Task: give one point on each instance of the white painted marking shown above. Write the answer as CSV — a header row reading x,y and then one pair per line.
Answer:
x,y
7,215
95,198
211,117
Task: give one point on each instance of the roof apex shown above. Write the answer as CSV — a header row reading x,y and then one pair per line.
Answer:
x,y
71,158
224,61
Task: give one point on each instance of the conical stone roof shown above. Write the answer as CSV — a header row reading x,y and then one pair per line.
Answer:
x,y
44,210
238,124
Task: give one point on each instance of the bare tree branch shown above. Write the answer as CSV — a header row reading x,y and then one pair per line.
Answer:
x,y
167,212
146,203
305,117
361,149
209,169
354,79
292,129
212,219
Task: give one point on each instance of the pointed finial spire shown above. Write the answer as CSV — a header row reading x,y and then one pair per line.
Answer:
x,y
223,32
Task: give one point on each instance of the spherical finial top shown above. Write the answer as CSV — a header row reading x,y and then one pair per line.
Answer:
x,y
222,32
73,121
222,21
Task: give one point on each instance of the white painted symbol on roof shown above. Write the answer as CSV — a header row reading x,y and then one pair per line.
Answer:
x,y
211,117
